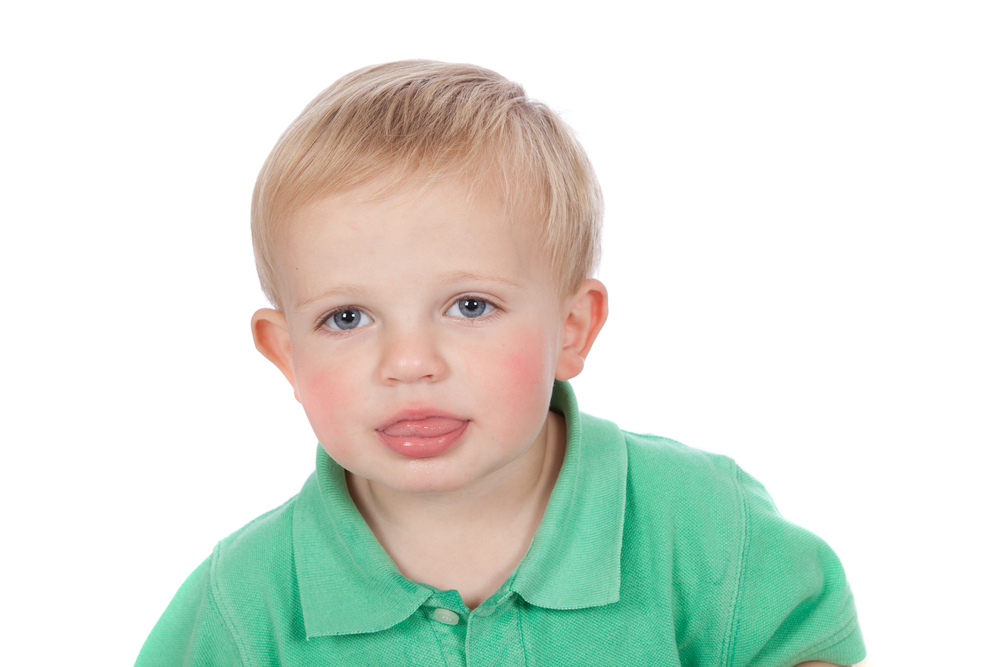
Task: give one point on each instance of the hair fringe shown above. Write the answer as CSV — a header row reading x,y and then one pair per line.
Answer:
x,y
415,122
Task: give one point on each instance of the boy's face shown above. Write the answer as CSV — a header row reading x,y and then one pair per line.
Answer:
x,y
422,334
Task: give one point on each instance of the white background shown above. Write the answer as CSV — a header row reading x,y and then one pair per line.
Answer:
x,y
801,248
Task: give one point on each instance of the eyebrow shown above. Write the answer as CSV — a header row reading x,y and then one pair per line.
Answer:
x,y
337,290
447,279
467,276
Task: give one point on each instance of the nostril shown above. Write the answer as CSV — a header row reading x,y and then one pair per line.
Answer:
x,y
413,369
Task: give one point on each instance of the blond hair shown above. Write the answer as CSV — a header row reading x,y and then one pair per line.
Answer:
x,y
421,120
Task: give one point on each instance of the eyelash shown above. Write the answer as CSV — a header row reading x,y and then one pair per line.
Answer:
x,y
476,320
323,319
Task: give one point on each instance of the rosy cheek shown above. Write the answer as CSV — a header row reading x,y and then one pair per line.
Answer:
x,y
519,369
325,396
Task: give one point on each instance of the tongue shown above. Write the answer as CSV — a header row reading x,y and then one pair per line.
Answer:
x,y
430,427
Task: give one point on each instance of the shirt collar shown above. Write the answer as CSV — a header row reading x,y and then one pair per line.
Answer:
x,y
575,558
348,584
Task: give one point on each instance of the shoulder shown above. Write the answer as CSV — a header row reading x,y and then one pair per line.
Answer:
x,y
253,562
661,470
688,507
778,591
656,450
266,537
212,618
256,563
705,501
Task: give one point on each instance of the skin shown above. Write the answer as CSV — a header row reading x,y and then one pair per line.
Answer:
x,y
464,519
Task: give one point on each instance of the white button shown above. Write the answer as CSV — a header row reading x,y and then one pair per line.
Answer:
x,y
446,616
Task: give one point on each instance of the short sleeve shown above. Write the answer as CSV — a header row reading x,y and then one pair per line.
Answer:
x,y
191,632
793,603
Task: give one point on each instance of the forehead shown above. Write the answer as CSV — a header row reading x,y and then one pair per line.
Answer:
x,y
408,236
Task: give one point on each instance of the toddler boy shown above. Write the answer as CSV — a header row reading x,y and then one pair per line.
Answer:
x,y
428,236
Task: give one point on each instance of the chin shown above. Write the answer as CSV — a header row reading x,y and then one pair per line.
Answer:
x,y
430,475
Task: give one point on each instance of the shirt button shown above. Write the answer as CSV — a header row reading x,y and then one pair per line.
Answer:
x,y
446,616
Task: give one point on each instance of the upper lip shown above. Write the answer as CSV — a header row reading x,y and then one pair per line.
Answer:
x,y
415,414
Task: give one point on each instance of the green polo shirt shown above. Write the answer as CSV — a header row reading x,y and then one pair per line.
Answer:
x,y
649,553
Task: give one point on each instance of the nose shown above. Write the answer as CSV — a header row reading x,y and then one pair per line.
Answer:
x,y
411,355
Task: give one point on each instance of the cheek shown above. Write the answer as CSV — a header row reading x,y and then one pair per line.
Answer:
x,y
326,396
520,368
519,375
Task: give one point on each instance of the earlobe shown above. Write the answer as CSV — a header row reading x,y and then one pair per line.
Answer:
x,y
270,336
587,314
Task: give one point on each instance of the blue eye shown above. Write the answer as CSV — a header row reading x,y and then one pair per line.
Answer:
x,y
470,307
347,319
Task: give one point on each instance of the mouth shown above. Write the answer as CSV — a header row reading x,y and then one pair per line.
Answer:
x,y
422,436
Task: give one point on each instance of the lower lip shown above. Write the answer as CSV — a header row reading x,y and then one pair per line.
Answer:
x,y
415,447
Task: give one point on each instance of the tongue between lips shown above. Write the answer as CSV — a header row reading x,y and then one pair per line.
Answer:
x,y
431,427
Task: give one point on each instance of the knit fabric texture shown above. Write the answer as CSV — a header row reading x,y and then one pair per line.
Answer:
x,y
649,553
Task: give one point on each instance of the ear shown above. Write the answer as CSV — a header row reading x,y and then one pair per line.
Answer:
x,y
270,335
588,311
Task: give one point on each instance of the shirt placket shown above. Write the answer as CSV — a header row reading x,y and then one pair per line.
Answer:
x,y
493,634
448,617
